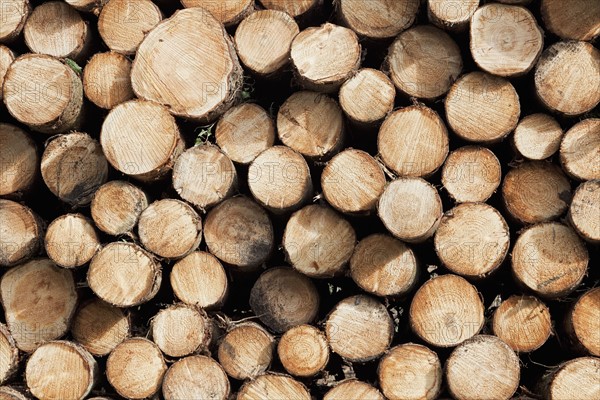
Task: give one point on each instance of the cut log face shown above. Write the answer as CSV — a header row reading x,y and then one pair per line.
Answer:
x,y
577,378
283,298
471,174
116,207
378,19
74,167
450,14
112,268
318,242
141,139
196,91
244,132
8,393
273,386
410,371
505,39
537,136
61,370
57,29
39,300
424,62
279,179
567,78
535,192
9,355
482,108
199,279
446,311
196,377
303,351
353,389
181,330
6,58
246,351
21,231
107,80
18,159
228,12
584,212
54,93
384,266
411,209
264,39
99,327
359,328
472,240
367,97
204,176
483,364
14,15
580,148
312,124
71,240
352,182
92,6
549,259
170,228
240,233
123,24
413,141
325,57
583,322
578,20
295,8
523,323
135,368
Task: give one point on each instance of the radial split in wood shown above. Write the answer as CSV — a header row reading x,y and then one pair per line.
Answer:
x,y
523,323
411,209
39,300
446,311
194,82
116,207
18,160
483,365
107,80
135,368
240,233
71,240
537,136
228,12
424,62
549,259
584,211
195,377
44,93
580,150
111,271
303,351
245,131
246,351
410,371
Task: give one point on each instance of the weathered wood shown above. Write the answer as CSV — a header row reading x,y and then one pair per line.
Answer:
x,y
206,84
9,393
116,207
580,148
246,351
193,377
71,240
424,62
549,259
18,160
483,364
123,24
61,370
523,323
44,93
30,320
446,311
21,231
135,368
410,371
578,20
378,19
263,41
303,351
325,57
411,209
567,79
584,211
384,266
107,80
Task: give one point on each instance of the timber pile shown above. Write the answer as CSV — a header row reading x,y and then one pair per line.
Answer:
x,y
299,199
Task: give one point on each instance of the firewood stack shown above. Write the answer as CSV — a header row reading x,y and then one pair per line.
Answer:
x,y
299,199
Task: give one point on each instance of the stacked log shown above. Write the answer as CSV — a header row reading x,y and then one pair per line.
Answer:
x,y
299,199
